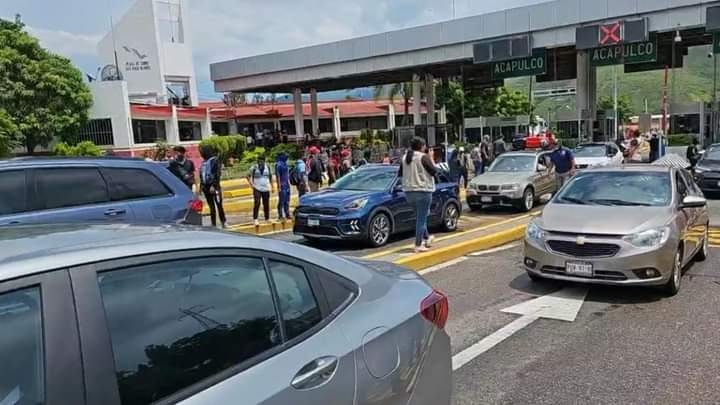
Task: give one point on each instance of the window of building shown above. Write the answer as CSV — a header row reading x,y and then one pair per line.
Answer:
x,y
170,25
22,377
298,306
148,131
221,128
97,131
12,185
178,92
130,184
58,188
190,130
174,324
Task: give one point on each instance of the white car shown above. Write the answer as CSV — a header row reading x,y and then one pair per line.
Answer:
x,y
597,155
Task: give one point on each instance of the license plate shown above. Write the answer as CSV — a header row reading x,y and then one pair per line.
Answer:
x,y
579,269
486,199
313,222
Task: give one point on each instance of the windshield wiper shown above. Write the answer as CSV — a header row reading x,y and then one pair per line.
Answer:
x,y
573,200
611,201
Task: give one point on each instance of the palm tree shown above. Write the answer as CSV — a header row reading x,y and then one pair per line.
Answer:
x,y
398,89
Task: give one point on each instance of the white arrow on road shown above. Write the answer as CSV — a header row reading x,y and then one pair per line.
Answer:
x,y
562,305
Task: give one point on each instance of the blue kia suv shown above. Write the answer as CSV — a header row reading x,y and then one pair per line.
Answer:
x,y
369,204
62,190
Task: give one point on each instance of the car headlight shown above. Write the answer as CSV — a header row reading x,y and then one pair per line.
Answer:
x,y
700,169
650,238
532,231
472,186
510,187
357,204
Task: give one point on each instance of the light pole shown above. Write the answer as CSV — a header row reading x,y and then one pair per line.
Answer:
x,y
676,41
453,9
615,103
714,117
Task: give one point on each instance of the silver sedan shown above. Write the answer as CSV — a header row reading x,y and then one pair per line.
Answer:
x,y
110,314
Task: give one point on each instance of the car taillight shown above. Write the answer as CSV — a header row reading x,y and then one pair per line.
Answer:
x,y
435,308
196,206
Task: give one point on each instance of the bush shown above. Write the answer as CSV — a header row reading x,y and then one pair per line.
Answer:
x,y
250,156
159,152
680,139
219,145
292,151
237,145
85,148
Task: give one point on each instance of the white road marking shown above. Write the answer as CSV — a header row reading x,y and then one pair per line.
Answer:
x,y
443,265
562,305
495,250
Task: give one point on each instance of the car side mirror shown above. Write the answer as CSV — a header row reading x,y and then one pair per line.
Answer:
x,y
541,167
398,188
692,201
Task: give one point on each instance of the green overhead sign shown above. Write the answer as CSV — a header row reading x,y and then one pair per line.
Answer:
x,y
529,66
636,52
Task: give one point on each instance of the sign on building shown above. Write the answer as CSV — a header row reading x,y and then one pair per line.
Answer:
x,y
533,65
639,52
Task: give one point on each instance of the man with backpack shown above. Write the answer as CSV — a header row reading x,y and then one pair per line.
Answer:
x,y
282,177
182,167
260,180
210,175
298,178
315,172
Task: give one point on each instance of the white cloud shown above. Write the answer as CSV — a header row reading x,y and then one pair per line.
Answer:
x,y
66,43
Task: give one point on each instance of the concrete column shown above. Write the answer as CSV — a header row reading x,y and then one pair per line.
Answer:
x,y
417,102
172,130
430,102
206,130
586,93
232,127
314,112
298,113
391,117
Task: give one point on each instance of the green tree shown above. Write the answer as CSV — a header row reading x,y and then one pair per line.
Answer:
x,y
394,91
43,94
625,109
7,133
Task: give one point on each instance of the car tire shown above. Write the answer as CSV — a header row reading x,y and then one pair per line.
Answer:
x,y
528,200
450,217
379,229
673,285
702,254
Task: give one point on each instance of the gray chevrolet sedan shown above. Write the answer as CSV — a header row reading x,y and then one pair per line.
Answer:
x,y
123,314
629,225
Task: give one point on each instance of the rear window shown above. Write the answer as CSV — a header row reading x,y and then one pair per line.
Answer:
x,y
131,184
70,187
13,192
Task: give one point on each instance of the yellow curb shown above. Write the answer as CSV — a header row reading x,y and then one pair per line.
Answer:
x,y
237,192
424,260
264,228
235,183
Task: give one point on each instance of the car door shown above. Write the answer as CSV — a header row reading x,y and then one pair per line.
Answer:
x,y
445,189
39,344
71,194
402,211
699,226
211,327
149,198
686,217
543,180
14,189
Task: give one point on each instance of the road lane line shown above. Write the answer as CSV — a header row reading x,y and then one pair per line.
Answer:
x,y
443,265
495,250
491,341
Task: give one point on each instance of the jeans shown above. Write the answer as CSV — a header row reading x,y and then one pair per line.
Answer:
x,y
561,179
257,197
420,201
214,202
284,203
478,167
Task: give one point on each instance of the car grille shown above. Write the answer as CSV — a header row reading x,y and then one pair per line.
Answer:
x,y
582,166
482,187
493,188
585,250
599,274
317,210
316,230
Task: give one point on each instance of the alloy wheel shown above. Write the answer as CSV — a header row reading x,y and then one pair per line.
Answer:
x,y
451,217
529,199
677,271
380,229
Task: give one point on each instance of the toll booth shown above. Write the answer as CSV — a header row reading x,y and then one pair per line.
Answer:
x,y
506,127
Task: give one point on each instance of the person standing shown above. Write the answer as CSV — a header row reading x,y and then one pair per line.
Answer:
x,y
418,180
282,176
345,163
499,146
210,175
486,152
692,154
476,157
315,171
298,177
260,180
563,161
182,167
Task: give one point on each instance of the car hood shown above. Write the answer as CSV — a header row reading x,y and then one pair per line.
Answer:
x,y
592,161
498,178
329,197
602,219
712,165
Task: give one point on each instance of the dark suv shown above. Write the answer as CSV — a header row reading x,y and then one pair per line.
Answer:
x,y
61,190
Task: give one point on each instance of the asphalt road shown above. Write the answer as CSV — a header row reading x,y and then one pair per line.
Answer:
x,y
626,345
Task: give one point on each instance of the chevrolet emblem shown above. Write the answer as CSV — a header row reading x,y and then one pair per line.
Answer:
x,y
580,240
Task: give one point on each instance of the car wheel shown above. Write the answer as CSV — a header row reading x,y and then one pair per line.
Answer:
x,y
528,200
379,229
673,285
451,214
702,254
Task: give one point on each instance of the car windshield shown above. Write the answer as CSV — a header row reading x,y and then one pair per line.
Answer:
x,y
366,180
617,188
590,151
513,163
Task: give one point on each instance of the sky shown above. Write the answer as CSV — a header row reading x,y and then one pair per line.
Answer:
x,y
228,29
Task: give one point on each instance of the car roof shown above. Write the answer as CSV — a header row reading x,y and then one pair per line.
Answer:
x,y
31,249
28,162
634,167
524,152
594,143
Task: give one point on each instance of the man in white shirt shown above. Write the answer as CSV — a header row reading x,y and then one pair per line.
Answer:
x,y
260,179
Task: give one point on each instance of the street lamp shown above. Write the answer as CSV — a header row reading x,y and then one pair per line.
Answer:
x,y
676,41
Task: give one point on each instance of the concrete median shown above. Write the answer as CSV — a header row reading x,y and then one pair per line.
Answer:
x,y
263,228
433,257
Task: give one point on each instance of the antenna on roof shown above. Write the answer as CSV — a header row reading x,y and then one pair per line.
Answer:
x,y
112,35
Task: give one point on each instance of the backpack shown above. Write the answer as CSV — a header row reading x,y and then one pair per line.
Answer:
x,y
206,175
294,176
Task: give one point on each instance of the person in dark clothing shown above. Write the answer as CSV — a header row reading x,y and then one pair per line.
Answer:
x,y
315,171
692,154
499,146
654,147
454,167
210,174
182,168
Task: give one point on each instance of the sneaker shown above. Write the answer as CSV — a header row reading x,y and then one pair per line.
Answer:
x,y
224,225
420,249
256,222
429,241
